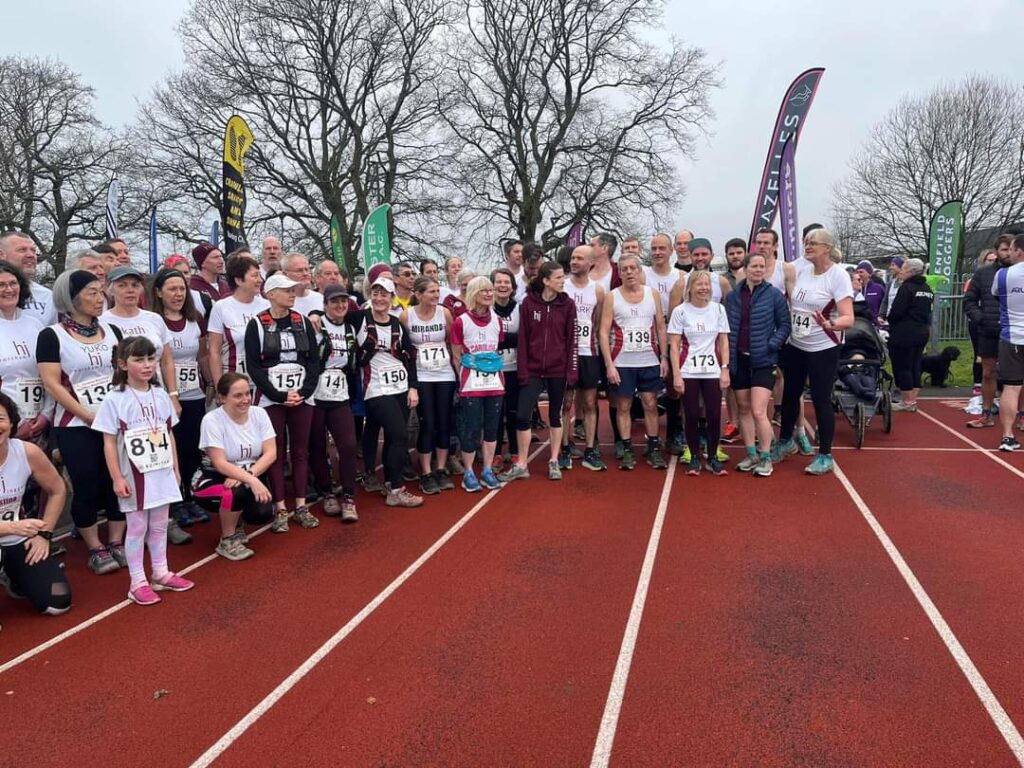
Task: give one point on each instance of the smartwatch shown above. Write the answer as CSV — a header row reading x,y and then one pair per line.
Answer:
x,y
48,535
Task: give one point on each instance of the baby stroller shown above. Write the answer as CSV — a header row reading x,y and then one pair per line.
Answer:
x,y
862,386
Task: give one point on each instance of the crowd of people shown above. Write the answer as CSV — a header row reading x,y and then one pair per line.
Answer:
x,y
248,389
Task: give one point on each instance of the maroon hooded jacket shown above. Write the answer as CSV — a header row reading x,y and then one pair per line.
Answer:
x,y
547,338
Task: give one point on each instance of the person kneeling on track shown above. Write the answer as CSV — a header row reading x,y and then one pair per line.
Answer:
x,y
698,333
635,355
25,543
758,327
239,447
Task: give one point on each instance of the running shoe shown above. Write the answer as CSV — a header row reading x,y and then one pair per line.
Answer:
x,y
444,480
515,472
1009,444
331,506
655,458
676,444
685,457
730,433
175,535
592,461
144,595
579,432
498,463
172,582
469,482
777,416
986,420
280,524
821,465
905,407
782,449
399,497
1020,423
371,484
312,496
454,465
197,513
117,552
717,468
575,451
429,485
620,448
803,444
232,548
564,459
12,591
693,466
764,467
489,480
554,473
305,518
349,514
182,514
628,461
721,455
748,463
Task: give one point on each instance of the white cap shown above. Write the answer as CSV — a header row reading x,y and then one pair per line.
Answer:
x,y
385,283
278,280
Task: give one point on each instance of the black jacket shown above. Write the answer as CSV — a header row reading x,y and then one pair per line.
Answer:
x,y
910,316
981,307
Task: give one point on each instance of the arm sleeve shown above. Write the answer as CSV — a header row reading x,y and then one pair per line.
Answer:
x,y
254,365
47,346
312,364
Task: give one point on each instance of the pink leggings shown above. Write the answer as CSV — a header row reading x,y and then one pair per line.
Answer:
x,y
147,528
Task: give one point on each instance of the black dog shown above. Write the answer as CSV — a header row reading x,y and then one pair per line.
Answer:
x,y
937,366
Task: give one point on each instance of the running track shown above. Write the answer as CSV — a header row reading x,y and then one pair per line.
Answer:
x,y
650,619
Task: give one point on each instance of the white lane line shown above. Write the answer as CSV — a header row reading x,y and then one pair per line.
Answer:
x,y
613,706
995,710
57,639
229,738
991,454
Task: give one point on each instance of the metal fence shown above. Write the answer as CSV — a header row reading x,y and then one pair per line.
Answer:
x,y
949,320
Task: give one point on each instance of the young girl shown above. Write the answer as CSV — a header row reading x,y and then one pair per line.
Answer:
x,y
136,419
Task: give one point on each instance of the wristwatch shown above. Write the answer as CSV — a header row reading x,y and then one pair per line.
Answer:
x,y
48,535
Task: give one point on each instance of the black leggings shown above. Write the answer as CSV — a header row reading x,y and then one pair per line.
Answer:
x,y
529,395
435,412
710,391
43,584
906,366
212,494
821,368
338,421
81,450
186,438
509,409
390,414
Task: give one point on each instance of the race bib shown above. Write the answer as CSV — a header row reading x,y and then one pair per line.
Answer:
x,y
484,381
149,449
636,339
585,332
701,364
186,375
803,323
10,510
91,393
333,386
287,376
393,380
433,357
29,397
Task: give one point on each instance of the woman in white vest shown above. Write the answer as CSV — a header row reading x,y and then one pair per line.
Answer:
x,y
19,372
76,365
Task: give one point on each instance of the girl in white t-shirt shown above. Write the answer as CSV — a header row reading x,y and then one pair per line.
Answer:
x,y
698,334
136,418
239,446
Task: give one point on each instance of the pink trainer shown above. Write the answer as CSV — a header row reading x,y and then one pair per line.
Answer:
x,y
173,582
144,595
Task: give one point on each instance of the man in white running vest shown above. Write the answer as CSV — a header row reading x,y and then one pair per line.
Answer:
x,y
663,277
20,250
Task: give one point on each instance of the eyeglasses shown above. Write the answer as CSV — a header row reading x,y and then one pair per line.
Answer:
x,y
406,274
9,286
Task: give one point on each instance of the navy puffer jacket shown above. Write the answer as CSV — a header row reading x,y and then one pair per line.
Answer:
x,y
769,324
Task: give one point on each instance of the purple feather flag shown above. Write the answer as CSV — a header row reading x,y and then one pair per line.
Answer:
x,y
788,217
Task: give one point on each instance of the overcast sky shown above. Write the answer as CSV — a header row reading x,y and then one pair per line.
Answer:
x,y
874,51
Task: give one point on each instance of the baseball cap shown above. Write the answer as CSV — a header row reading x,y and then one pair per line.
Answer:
x,y
278,280
118,273
334,290
386,283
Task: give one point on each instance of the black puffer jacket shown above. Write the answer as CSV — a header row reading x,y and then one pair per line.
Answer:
x,y
910,316
981,307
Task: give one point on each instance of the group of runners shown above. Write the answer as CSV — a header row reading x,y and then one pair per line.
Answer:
x,y
171,397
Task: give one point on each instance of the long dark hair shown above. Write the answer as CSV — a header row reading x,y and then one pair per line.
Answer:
x,y
547,269
131,346
188,309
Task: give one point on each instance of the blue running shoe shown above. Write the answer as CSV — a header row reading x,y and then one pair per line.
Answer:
x,y
782,449
469,482
488,480
803,444
821,465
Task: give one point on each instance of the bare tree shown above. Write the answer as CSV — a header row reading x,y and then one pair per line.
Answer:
x,y
563,113
56,158
961,142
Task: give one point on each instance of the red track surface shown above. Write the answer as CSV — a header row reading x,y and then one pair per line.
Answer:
x,y
776,631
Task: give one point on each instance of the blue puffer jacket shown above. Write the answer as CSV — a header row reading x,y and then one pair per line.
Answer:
x,y
769,325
